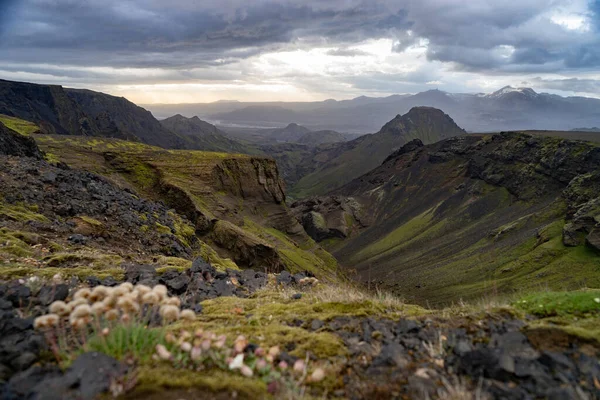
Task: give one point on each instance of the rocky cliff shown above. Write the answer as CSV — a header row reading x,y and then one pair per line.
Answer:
x,y
84,113
224,196
14,144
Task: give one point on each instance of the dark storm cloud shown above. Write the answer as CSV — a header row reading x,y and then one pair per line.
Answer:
x,y
145,34
483,36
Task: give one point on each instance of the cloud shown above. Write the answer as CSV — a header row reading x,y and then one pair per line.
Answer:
x,y
344,46
575,85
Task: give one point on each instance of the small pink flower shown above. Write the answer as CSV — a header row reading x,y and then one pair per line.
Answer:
x,y
246,371
162,352
196,353
299,366
259,352
261,364
283,365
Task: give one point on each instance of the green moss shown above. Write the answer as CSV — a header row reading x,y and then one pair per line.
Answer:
x,y
167,263
18,125
86,259
162,228
91,221
163,379
21,212
211,256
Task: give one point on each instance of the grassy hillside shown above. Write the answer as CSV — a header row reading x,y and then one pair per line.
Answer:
x,y
235,201
474,215
357,157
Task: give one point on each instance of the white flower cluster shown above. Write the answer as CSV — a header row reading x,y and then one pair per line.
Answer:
x,y
121,303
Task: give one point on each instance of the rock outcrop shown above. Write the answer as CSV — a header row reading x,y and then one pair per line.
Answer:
x,y
14,144
330,217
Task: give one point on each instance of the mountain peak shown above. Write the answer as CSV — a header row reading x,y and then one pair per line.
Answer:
x,y
426,123
506,90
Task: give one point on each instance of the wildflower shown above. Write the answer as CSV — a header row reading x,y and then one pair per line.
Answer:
x,y
81,311
105,332
246,371
240,344
151,298
220,342
127,285
162,352
169,313
188,315
161,290
184,335
597,299
186,346
259,352
78,323
125,318
60,307
283,365
237,362
274,351
196,353
99,293
128,304
170,338
172,301
77,302
112,315
206,345
119,291
57,279
318,375
46,321
199,332
299,366
143,289
82,294
99,308
261,364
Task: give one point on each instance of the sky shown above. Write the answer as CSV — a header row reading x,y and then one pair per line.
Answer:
x,y
188,51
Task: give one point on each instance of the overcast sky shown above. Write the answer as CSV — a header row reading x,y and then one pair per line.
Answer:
x,y
177,51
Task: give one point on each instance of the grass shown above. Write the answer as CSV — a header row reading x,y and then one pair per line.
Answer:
x,y
23,127
133,340
21,212
549,304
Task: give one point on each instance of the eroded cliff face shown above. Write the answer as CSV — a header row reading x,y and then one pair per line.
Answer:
x,y
236,202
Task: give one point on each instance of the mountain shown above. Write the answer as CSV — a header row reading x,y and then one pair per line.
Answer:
x,y
505,109
205,136
83,112
335,165
291,133
129,118
469,214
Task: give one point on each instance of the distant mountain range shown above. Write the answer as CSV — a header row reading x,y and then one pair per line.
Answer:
x,y
506,109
